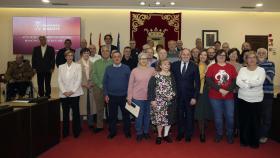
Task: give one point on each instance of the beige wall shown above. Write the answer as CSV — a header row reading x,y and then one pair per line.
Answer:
x,y
232,27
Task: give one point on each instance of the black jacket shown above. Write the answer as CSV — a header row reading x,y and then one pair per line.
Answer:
x,y
45,63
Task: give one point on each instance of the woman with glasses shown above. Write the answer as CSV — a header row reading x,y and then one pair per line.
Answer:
x,y
137,93
221,78
250,80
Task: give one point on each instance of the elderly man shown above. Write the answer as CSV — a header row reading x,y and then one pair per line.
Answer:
x,y
172,54
198,44
268,88
43,63
60,58
93,54
187,80
115,84
18,75
83,44
98,70
225,47
179,45
127,58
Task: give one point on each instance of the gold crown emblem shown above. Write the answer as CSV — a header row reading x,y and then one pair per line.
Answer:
x,y
155,33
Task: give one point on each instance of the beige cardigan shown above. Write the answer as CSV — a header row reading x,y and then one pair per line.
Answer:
x,y
83,98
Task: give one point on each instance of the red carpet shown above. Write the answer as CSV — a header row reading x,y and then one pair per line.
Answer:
x,y
90,145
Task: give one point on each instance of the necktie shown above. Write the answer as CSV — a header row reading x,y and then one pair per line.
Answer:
x,y
184,68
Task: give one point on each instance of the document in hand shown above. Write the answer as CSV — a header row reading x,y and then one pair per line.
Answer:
x,y
133,109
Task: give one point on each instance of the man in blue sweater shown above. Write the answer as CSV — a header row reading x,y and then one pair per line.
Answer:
x,y
266,108
115,84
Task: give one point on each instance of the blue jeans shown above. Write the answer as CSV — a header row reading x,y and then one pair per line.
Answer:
x,y
142,122
223,107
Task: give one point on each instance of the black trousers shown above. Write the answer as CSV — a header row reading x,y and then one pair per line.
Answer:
x,y
185,118
114,103
249,122
73,103
44,83
266,114
16,87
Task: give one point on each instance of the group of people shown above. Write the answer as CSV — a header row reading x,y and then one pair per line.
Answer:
x,y
171,87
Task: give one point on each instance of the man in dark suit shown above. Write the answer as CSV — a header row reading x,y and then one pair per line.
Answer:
x,y
187,80
60,58
108,39
43,63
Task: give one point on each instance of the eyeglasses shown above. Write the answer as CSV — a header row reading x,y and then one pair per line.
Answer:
x,y
143,58
222,55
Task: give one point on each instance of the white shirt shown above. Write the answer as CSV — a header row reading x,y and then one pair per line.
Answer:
x,y
114,65
251,84
182,65
95,58
43,50
70,79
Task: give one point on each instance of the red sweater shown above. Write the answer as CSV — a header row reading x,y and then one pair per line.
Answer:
x,y
223,76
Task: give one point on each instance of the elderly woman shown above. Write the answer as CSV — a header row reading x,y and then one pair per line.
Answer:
x,y
250,80
268,87
87,104
137,93
161,94
221,79
70,90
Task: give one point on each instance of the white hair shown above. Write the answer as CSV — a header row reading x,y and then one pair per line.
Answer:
x,y
262,49
141,55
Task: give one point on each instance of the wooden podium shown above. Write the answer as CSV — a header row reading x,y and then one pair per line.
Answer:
x,y
30,129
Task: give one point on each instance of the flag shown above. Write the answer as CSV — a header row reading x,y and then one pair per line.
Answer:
x,y
118,42
99,41
90,41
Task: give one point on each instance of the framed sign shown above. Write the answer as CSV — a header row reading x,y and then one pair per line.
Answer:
x,y
209,37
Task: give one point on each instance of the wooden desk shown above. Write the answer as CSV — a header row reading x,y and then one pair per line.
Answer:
x,y
30,129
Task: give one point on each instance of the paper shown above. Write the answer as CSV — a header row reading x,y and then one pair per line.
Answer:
x,y
133,109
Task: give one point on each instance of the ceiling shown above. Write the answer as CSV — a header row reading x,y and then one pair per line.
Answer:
x,y
224,5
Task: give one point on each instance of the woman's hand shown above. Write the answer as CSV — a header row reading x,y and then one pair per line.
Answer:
x,y
106,98
223,92
128,101
153,104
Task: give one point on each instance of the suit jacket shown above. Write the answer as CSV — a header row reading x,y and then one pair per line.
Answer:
x,y
43,63
188,84
70,79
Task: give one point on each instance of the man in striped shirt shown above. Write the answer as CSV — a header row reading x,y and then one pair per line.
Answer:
x,y
266,108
